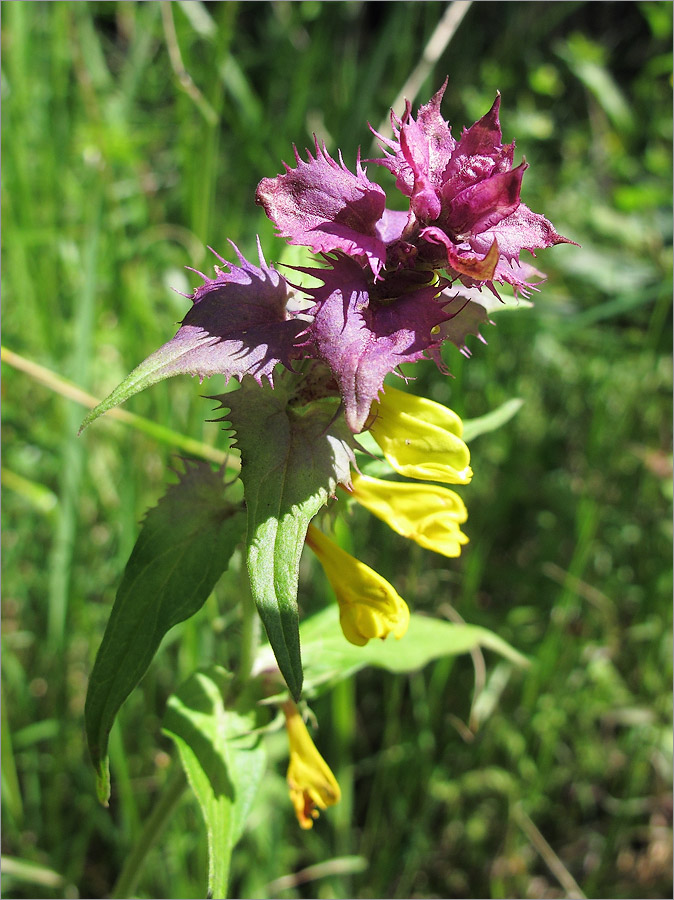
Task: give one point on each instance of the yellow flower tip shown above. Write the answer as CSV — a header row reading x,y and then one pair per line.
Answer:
x,y
312,786
428,514
420,438
363,621
369,607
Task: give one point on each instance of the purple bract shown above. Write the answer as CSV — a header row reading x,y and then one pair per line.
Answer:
x,y
395,284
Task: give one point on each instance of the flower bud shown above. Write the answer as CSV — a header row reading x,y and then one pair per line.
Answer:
x,y
310,780
428,514
420,438
369,607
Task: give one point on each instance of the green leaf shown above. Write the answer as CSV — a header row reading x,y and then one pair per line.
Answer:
x,y
293,456
329,658
152,370
224,763
472,428
184,546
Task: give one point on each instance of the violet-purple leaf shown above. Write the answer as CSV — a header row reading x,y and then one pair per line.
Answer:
x,y
238,325
322,205
362,338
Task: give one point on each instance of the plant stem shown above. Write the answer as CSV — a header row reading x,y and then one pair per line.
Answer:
x,y
152,830
250,629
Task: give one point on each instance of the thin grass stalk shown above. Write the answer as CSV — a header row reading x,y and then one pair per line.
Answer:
x,y
154,827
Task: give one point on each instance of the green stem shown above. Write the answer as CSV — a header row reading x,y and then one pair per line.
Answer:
x,y
152,830
250,630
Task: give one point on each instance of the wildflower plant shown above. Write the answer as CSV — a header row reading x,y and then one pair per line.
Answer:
x,y
312,417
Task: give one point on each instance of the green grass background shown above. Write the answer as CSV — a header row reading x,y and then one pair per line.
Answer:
x,y
133,135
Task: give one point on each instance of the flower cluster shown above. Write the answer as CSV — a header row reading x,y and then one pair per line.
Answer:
x,y
388,293
391,287
394,285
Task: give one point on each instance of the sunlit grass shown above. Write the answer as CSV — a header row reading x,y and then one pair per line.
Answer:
x,y
118,171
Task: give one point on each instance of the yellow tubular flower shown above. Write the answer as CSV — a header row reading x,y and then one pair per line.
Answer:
x,y
309,778
421,439
369,607
425,513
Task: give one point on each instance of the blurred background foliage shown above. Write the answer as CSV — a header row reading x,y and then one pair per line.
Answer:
x,y
133,135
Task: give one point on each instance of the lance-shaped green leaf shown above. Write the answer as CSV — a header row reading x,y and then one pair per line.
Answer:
x,y
223,760
184,546
492,420
238,325
329,658
293,456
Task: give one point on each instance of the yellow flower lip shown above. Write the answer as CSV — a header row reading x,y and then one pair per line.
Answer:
x,y
369,607
420,438
311,784
428,514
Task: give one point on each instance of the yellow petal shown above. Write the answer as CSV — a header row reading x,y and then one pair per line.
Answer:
x,y
312,785
428,514
420,438
369,607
